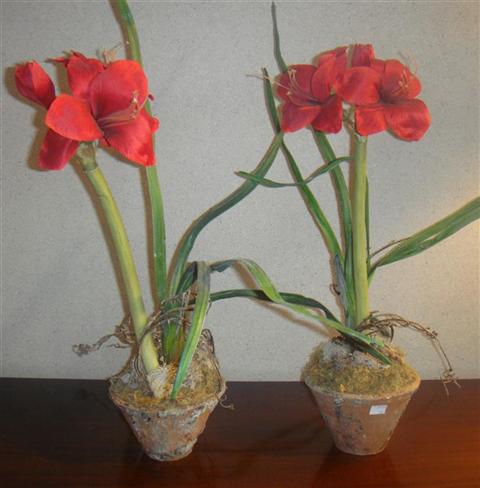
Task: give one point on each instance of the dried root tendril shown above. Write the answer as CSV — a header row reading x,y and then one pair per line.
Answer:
x,y
123,332
384,324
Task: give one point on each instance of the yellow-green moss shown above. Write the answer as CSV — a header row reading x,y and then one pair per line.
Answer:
x,y
347,377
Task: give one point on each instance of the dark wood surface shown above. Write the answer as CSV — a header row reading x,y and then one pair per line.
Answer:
x,y
66,433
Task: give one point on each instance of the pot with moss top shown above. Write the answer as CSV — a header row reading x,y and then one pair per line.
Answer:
x,y
361,400
168,429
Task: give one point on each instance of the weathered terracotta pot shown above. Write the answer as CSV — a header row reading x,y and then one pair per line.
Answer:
x,y
168,434
361,424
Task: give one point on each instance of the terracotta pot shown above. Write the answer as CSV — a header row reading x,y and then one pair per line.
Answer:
x,y
168,434
361,424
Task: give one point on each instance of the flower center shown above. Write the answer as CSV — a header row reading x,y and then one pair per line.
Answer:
x,y
296,93
404,83
124,116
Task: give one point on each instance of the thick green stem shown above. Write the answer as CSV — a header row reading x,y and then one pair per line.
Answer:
x,y
359,230
86,156
154,192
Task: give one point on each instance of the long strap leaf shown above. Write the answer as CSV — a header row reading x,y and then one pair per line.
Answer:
x,y
198,319
431,235
276,41
293,298
310,200
239,194
264,282
337,176
341,189
190,276
275,184
297,303
155,196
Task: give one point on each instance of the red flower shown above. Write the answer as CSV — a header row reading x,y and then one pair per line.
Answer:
x,y
384,94
307,94
106,105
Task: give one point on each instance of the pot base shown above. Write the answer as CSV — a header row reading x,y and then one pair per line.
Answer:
x,y
361,426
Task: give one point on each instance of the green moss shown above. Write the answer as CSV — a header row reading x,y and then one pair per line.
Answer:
x,y
347,376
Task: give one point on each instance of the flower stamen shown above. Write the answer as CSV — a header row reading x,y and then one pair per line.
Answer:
x,y
123,116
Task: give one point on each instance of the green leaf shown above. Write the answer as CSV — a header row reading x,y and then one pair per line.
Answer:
x,y
261,278
190,276
431,235
274,184
310,200
238,195
293,298
198,319
155,196
341,189
276,42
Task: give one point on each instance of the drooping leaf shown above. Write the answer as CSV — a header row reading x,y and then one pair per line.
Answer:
x,y
261,278
293,298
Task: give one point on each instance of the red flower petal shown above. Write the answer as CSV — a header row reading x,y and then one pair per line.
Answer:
x,y
323,79
398,82
295,117
330,118
408,119
363,55
70,117
33,83
117,87
56,151
134,139
360,86
339,55
370,119
81,71
331,67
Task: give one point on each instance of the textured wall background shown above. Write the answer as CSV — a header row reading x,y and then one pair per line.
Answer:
x,y
59,287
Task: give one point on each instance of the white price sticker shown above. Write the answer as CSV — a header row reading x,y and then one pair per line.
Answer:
x,y
378,409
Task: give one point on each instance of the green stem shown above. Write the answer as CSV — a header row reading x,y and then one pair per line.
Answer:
x,y
359,231
154,191
86,156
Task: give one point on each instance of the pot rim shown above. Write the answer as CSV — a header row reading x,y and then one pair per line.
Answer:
x,y
367,397
171,410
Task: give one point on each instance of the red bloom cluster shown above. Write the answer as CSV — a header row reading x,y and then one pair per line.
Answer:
x,y
383,93
106,105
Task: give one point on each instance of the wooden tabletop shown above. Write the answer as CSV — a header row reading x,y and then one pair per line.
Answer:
x,y
67,433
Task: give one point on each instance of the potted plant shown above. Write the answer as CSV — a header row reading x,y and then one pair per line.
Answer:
x,y
172,382
361,391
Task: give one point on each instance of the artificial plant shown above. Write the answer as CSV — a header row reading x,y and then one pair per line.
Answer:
x,y
108,106
350,88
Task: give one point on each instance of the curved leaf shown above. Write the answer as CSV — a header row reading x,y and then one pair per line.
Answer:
x,y
310,201
239,194
431,235
274,184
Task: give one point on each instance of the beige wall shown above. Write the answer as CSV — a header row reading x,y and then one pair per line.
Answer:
x,y
58,282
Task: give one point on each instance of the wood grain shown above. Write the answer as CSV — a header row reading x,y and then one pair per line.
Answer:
x,y
67,433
